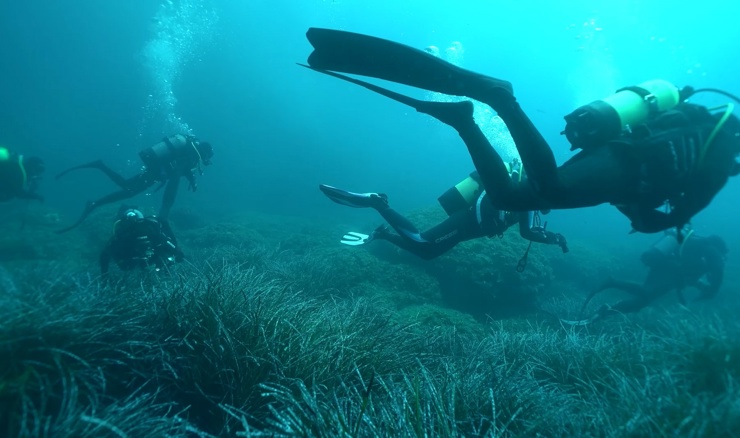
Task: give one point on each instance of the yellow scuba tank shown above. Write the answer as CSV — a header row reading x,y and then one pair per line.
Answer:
x,y
465,193
603,120
462,195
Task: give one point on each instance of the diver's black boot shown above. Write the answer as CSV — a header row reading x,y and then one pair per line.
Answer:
x,y
455,114
608,283
496,93
97,164
379,233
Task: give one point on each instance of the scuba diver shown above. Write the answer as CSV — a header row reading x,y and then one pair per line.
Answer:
x,y
140,242
641,149
470,217
165,162
698,261
19,176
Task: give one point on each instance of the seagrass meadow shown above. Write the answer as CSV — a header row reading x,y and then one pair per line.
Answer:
x,y
276,330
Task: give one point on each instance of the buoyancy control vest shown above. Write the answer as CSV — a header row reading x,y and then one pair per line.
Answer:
x,y
176,152
669,148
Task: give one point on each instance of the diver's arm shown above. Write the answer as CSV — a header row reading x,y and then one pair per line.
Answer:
x,y
715,274
529,231
192,183
104,260
697,196
168,198
164,241
27,194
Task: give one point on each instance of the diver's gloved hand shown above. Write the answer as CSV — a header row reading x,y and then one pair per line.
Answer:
x,y
562,243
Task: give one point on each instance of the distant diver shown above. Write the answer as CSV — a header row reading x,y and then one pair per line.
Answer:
x,y
643,148
698,262
165,162
470,217
19,176
140,242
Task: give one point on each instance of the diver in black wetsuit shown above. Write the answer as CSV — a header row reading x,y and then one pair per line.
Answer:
x,y
642,148
19,176
140,242
699,262
477,220
166,162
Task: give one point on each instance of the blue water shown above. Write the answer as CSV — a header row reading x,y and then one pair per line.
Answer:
x,y
90,79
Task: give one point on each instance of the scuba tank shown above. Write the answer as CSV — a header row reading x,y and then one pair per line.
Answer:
x,y
462,195
667,245
603,120
169,149
466,193
662,251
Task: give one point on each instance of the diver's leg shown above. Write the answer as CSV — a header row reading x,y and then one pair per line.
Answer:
x,y
168,198
459,227
416,248
114,176
537,158
611,282
503,193
401,224
631,287
134,186
630,305
435,241
98,164
658,282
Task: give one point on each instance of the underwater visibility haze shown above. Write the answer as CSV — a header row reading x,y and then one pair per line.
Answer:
x,y
243,302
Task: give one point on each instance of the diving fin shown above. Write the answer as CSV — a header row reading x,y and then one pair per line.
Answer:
x,y
603,311
352,199
580,322
452,113
365,55
89,207
410,101
353,238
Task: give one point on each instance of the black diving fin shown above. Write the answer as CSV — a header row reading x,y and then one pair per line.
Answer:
x,y
364,55
451,113
579,322
410,101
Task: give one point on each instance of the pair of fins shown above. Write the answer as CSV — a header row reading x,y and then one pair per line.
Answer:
x,y
354,53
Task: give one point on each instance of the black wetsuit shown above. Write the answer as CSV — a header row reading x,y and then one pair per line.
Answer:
x,y
480,220
638,176
140,243
674,268
165,163
669,165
